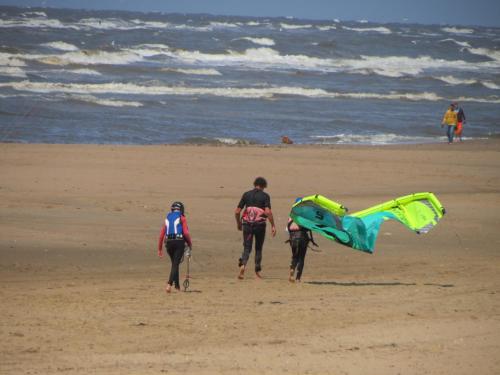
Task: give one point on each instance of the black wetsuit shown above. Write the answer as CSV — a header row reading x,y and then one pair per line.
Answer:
x,y
299,241
260,199
175,249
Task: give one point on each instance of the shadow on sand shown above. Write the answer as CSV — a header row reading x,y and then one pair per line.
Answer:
x,y
353,283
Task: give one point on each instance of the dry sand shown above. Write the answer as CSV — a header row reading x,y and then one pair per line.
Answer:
x,y
82,290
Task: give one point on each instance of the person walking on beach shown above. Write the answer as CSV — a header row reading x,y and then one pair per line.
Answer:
x,y
256,207
175,235
450,120
460,121
299,241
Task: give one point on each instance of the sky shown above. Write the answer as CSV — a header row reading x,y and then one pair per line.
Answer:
x,y
458,12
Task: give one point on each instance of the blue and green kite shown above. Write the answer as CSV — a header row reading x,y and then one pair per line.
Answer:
x,y
419,212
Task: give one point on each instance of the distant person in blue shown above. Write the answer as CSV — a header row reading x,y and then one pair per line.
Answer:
x,y
175,234
460,121
450,120
253,210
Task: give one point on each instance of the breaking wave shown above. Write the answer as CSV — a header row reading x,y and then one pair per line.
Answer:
x,y
372,139
218,141
288,26
462,44
450,80
456,30
200,72
492,54
261,41
61,46
381,29
105,102
231,92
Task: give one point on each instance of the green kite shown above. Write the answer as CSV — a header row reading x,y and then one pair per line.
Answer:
x,y
419,212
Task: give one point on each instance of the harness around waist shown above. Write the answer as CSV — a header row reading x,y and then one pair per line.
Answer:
x,y
174,236
254,215
298,235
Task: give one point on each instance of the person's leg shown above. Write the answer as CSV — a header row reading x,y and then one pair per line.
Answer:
x,y
301,257
247,249
171,253
295,258
449,133
260,235
178,254
175,249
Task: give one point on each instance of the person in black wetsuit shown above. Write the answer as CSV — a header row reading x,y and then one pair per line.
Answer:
x,y
299,241
251,215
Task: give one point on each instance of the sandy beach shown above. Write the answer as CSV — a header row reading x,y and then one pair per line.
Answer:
x,y
82,288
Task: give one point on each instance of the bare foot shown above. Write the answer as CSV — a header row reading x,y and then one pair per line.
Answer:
x,y
241,275
258,276
290,276
168,289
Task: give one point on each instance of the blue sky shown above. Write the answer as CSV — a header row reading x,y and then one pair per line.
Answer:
x,y
458,12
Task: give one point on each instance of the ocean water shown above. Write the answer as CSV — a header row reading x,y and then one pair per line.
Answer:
x,y
73,76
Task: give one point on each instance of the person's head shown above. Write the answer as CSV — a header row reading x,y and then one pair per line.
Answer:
x,y
177,206
260,183
452,106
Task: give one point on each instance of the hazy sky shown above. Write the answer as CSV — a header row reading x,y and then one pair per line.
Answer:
x,y
458,12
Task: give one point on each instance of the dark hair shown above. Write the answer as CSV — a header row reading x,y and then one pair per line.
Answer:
x,y
261,182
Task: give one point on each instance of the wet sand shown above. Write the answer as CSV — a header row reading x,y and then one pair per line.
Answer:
x,y
82,289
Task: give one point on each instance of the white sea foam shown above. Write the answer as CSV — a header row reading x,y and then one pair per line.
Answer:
x,y
200,72
490,85
381,29
372,139
253,23
12,71
36,23
106,102
462,44
326,28
456,30
84,71
456,81
261,41
7,59
85,57
288,26
61,46
223,25
36,14
85,24
261,58
450,80
232,92
149,50
492,54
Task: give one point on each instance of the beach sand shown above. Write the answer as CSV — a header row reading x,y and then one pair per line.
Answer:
x,y
82,288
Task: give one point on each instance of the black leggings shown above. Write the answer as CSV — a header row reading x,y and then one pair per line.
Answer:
x,y
249,232
299,250
175,249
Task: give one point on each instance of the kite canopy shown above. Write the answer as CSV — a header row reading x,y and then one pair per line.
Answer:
x,y
419,212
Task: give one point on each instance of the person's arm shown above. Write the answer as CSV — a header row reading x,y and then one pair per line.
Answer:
x,y
237,212
444,119
269,215
160,241
237,216
185,231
